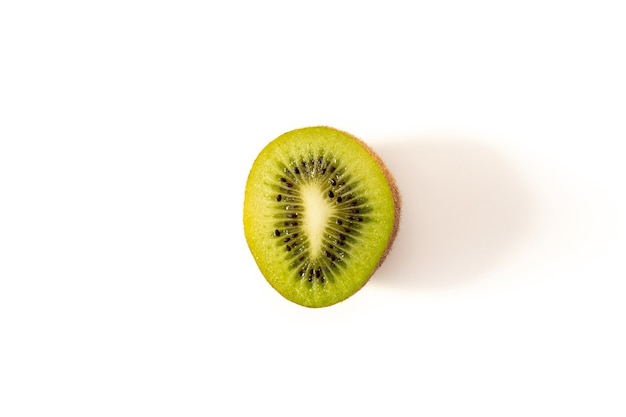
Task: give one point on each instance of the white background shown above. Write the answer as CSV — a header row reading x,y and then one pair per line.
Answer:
x,y
127,129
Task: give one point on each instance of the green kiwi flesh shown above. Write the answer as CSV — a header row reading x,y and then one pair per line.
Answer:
x,y
320,214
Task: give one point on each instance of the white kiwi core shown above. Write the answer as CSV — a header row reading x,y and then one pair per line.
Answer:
x,y
316,218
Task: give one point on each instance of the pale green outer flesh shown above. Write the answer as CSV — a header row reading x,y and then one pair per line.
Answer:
x,y
259,211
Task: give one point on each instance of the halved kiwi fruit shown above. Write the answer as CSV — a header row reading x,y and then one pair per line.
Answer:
x,y
321,211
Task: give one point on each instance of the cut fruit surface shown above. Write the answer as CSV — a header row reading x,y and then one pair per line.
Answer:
x,y
320,213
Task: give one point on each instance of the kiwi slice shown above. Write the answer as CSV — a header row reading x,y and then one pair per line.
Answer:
x,y
320,214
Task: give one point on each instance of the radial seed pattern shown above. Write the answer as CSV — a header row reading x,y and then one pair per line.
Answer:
x,y
348,211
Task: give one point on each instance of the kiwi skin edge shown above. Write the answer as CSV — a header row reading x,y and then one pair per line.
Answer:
x,y
393,206
395,192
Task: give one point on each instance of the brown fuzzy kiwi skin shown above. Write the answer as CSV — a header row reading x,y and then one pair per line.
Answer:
x,y
395,192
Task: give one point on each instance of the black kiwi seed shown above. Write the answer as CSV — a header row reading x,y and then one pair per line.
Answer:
x,y
339,222
331,194
288,248
296,170
279,197
276,232
339,199
333,182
